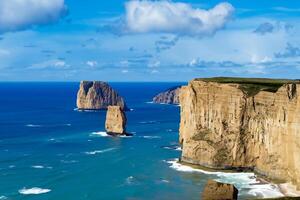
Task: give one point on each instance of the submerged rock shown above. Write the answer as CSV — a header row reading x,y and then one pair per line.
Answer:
x,y
96,95
115,123
170,96
219,191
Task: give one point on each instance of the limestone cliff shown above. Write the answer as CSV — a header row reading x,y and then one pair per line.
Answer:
x,y
115,123
95,95
228,125
170,96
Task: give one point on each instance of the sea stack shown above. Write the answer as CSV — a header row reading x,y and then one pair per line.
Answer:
x,y
236,123
97,95
115,123
219,191
170,96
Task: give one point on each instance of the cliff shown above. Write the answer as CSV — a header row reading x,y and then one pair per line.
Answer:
x,y
243,123
95,95
115,123
170,96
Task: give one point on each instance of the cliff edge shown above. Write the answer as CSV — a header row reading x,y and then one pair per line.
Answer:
x,y
243,123
96,95
170,96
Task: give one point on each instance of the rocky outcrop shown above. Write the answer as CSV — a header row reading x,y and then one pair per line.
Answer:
x,y
219,191
170,96
115,123
234,125
95,95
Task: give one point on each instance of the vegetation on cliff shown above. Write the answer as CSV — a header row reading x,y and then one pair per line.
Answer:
x,y
251,86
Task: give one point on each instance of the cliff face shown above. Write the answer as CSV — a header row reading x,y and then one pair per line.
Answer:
x,y
115,123
222,127
171,96
96,95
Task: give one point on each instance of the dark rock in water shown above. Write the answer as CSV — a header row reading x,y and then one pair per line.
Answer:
x,y
170,96
96,95
219,191
116,120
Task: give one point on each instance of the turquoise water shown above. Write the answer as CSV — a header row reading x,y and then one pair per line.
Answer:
x,y
48,150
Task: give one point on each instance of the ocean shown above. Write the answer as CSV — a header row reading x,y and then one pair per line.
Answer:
x,y
50,150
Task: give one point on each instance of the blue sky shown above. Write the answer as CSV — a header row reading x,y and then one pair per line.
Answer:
x,y
71,40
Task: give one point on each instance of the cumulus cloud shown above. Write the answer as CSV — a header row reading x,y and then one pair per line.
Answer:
x,y
22,14
179,18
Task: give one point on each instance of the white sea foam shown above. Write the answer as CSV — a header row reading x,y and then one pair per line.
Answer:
x,y
131,109
246,181
34,190
99,151
33,125
3,197
104,134
38,166
151,137
101,133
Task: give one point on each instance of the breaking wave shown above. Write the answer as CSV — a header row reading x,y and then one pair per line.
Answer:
x,y
246,182
34,190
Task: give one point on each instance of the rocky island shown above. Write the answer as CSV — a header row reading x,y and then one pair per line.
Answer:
x,y
236,123
170,96
96,95
116,120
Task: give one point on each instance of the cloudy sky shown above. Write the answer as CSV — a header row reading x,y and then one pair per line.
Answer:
x,y
117,40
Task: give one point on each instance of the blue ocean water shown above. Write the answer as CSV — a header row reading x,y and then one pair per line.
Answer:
x,y
48,150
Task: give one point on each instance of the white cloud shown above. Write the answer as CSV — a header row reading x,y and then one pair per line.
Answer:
x,y
50,64
180,18
22,14
92,63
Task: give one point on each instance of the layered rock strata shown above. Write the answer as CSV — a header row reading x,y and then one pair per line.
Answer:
x,y
95,95
228,125
170,96
115,123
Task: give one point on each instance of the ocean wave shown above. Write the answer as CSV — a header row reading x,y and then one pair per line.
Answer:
x,y
149,122
34,190
151,137
173,147
33,125
99,151
50,125
69,161
104,134
101,133
243,181
3,197
40,167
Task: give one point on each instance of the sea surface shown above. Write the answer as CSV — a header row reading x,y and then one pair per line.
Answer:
x,y
50,150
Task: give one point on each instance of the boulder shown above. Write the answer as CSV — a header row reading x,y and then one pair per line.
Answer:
x,y
97,95
219,191
115,121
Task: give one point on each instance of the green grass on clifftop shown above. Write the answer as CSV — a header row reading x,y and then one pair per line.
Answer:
x,y
251,86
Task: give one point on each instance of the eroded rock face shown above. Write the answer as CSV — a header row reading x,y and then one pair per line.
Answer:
x,y
95,95
219,191
221,128
171,96
115,123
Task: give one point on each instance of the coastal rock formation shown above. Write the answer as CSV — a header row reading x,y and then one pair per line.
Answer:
x,y
243,125
115,123
95,95
219,191
170,96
